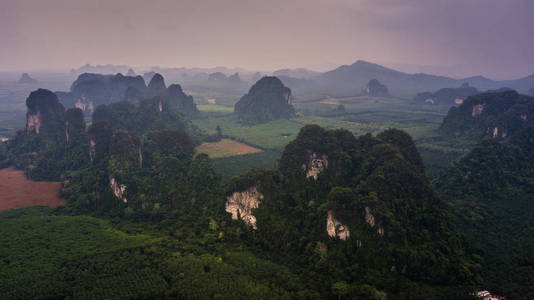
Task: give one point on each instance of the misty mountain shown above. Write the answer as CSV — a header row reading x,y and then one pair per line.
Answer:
x,y
348,80
102,69
27,79
446,96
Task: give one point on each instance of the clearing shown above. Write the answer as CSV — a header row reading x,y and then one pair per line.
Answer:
x,y
18,191
226,148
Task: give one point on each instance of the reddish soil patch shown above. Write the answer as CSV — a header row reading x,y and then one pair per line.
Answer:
x,y
18,191
330,101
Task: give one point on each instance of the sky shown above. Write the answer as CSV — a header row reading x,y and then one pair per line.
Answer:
x,y
459,38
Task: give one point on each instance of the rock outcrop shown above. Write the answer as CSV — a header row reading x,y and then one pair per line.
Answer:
x,y
242,204
130,73
156,85
375,89
177,99
45,115
316,164
119,190
335,229
369,218
267,99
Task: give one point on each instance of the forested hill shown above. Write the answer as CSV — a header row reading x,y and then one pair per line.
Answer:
x,y
55,140
491,192
339,205
91,90
490,114
267,99
447,96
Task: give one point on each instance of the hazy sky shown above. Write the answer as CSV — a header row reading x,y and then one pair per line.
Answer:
x,y
490,37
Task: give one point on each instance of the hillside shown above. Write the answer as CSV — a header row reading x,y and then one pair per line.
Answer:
x,y
490,193
497,115
356,206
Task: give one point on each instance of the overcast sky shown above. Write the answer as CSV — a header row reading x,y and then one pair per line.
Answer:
x,y
494,38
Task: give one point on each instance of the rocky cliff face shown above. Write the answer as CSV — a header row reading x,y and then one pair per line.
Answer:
x,y
316,164
242,204
119,190
177,99
266,100
335,229
45,115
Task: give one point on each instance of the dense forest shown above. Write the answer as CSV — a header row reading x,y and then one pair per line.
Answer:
x,y
490,194
347,216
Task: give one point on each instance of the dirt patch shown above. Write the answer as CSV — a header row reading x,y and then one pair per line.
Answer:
x,y
18,191
225,148
330,101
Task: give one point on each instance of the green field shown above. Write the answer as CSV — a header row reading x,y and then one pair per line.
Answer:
x,y
215,108
278,133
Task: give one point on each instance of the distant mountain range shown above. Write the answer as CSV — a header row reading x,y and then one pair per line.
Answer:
x,y
346,80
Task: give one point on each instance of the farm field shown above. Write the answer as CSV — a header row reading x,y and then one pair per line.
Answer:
x,y
215,108
278,133
18,191
226,148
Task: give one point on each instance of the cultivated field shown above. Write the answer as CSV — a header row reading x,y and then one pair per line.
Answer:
x,y
226,148
18,191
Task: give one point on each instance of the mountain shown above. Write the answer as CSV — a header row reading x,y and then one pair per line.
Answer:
x,y
90,90
375,89
490,114
490,192
349,80
446,96
531,92
266,100
354,212
52,137
27,79
156,85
